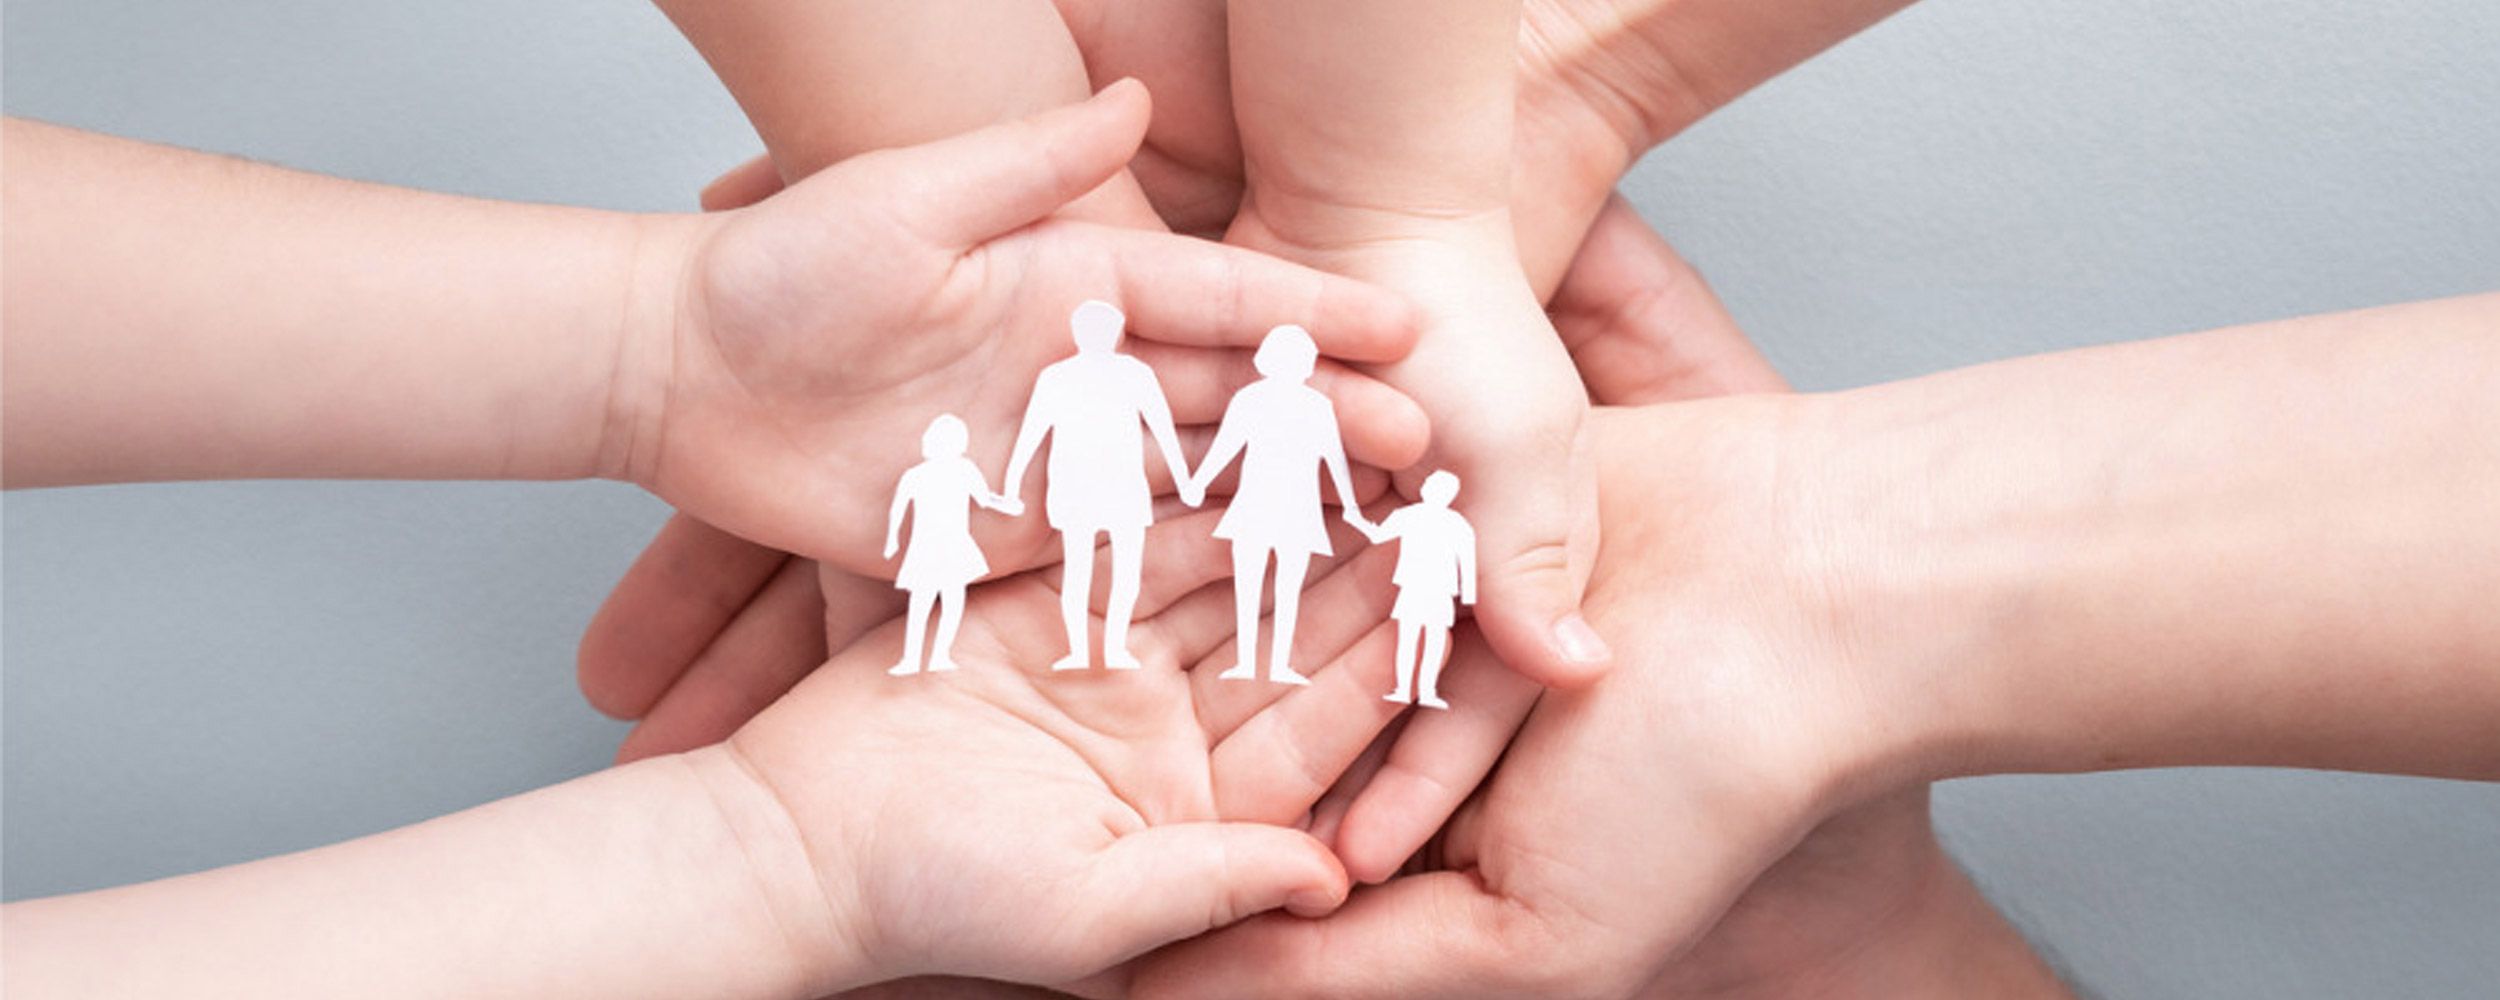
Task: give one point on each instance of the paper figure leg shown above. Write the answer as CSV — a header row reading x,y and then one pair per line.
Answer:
x,y
950,617
1428,669
1249,576
1076,589
1408,633
916,624
1290,567
1127,567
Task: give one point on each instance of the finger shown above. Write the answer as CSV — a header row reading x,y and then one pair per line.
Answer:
x,y
688,585
1185,290
1438,761
1537,536
1381,425
1166,883
964,191
744,185
774,642
1438,934
1275,766
1643,326
1328,814
1339,606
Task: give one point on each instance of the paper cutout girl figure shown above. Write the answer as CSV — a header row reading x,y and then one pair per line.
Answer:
x,y
1436,562
1090,405
943,559
1285,432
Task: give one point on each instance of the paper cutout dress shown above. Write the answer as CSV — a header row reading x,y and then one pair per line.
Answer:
x,y
1285,433
943,559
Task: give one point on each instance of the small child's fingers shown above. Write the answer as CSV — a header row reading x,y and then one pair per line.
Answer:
x,y
1436,762
964,191
775,641
1185,290
675,599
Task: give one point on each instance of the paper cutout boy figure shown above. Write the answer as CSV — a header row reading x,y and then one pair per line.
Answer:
x,y
1436,562
943,560
1090,405
1285,432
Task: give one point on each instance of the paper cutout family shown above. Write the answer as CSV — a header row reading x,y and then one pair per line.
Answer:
x,y
1281,430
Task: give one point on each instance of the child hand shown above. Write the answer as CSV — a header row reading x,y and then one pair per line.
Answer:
x,y
1005,821
814,334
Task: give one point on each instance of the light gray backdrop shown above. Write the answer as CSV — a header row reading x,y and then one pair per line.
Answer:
x,y
202,674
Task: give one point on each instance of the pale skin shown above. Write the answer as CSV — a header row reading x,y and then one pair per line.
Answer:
x,y
2267,546
1868,901
996,821
547,364
1599,83
720,361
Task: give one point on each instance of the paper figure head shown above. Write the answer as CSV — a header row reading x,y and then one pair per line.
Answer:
x,y
946,437
1287,353
1440,488
1096,326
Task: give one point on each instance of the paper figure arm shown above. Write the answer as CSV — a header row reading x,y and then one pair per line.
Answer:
x,y
894,515
1334,460
1158,413
1028,440
1466,560
1229,439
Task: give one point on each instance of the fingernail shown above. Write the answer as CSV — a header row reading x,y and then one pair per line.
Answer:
x,y
1579,642
1311,902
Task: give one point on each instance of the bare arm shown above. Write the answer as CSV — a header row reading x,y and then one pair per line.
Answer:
x,y
2273,545
641,881
824,81
173,314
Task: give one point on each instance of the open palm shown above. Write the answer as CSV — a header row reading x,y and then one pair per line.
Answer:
x,y
818,332
1006,821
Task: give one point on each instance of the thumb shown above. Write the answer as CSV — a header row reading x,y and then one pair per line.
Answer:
x,y
1171,882
966,190
1539,539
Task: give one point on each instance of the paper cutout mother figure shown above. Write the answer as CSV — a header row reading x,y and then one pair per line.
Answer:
x,y
1436,562
943,559
1285,432
1090,405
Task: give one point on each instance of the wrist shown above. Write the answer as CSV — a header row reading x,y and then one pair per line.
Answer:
x,y
799,935
641,359
1906,594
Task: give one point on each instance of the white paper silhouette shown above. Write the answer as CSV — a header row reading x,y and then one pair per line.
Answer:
x,y
943,560
1089,406
1285,432
1436,563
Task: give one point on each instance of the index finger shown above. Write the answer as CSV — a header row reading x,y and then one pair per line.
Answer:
x,y
1186,290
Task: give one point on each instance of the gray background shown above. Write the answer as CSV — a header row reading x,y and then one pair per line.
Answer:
x,y
201,674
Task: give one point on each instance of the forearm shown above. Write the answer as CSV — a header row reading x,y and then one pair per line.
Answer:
x,y
1361,120
2274,545
173,314
663,878
826,81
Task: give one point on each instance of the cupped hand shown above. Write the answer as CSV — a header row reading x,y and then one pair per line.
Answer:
x,y
819,332
1008,821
